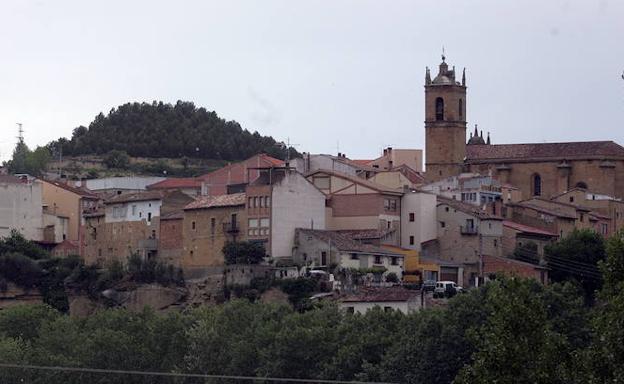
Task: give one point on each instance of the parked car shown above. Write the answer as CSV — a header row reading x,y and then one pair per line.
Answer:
x,y
446,289
429,285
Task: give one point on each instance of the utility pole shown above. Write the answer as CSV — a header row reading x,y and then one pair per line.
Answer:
x,y
20,134
287,146
480,259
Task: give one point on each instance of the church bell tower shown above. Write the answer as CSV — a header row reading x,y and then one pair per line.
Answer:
x,y
445,123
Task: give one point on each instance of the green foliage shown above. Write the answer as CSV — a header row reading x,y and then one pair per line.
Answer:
x,y
612,267
117,160
151,271
165,130
299,290
20,269
243,252
575,258
24,321
17,243
31,162
392,278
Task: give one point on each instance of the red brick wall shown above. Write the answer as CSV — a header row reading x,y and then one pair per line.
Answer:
x,y
362,205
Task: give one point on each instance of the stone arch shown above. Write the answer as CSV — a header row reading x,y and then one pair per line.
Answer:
x,y
581,184
439,109
536,184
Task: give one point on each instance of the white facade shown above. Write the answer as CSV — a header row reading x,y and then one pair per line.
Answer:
x,y
296,203
21,209
124,184
392,263
311,163
132,211
470,188
418,219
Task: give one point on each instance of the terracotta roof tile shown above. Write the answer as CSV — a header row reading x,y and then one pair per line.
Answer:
x,y
467,208
136,196
83,192
572,150
357,180
218,201
527,228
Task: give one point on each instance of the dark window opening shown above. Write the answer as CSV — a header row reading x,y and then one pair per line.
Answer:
x,y
537,185
411,217
411,240
461,109
439,109
581,184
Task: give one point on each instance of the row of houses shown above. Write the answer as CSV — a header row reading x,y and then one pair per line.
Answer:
x,y
317,212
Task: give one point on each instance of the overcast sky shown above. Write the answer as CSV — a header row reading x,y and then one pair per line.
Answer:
x,y
324,73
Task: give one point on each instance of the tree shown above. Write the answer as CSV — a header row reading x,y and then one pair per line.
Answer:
x,y
30,162
526,252
576,258
117,159
243,252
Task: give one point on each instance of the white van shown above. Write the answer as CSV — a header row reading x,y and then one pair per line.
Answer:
x,y
446,288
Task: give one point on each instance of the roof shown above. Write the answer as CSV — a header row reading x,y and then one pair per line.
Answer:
x,y
366,234
174,215
10,179
470,209
172,183
263,161
204,202
343,242
135,196
488,259
82,192
551,212
527,229
536,151
375,295
361,161
357,180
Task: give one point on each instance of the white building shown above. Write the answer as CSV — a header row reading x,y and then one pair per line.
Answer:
x,y
133,207
470,188
388,299
21,207
118,185
418,219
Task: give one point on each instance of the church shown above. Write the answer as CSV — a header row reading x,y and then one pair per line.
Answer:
x,y
537,169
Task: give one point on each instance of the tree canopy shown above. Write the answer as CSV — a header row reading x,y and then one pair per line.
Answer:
x,y
164,130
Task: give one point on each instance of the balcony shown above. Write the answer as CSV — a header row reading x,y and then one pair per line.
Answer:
x,y
469,230
233,228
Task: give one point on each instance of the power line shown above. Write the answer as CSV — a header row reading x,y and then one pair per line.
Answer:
x,y
185,375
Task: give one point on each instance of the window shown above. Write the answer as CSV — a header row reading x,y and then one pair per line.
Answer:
x,y
378,259
264,222
446,209
461,109
193,225
537,185
249,202
387,309
581,184
134,210
234,219
354,256
255,204
394,261
191,253
350,310
495,243
571,199
442,224
261,202
253,223
411,240
323,258
412,217
390,205
439,109
149,216
267,201
582,217
213,225
604,228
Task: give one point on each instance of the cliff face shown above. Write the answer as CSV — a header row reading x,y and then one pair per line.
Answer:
x,y
14,295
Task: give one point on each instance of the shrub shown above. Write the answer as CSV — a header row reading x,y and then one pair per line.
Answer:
x,y
392,278
243,252
20,269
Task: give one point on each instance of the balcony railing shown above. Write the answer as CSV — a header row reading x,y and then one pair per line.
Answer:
x,y
469,230
232,228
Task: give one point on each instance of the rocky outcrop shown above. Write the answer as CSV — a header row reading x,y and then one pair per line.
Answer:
x,y
136,297
14,295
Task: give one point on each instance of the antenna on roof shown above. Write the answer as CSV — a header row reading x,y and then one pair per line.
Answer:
x,y
287,147
443,54
20,133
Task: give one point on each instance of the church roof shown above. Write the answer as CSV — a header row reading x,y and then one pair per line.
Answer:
x,y
537,151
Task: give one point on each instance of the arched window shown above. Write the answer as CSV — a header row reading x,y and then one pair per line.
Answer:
x,y
439,109
537,185
581,184
461,109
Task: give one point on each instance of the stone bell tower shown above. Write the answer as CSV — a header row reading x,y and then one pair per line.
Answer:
x,y
445,123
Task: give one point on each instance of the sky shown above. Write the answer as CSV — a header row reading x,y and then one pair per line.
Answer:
x,y
333,75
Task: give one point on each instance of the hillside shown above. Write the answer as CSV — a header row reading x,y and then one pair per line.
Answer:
x,y
160,130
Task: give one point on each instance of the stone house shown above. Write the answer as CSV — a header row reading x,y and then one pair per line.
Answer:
x,y
609,206
279,201
188,185
107,187
129,223
465,233
356,203
395,157
503,265
21,207
171,239
209,222
323,249
516,235
557,217
399,178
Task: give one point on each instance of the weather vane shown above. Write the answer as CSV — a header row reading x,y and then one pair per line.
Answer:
x,y
443,54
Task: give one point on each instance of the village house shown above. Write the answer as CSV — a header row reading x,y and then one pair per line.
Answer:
x,y
325,249
469,188
388,299
516,235
71,203
495,265
399,178
394,157
209,223
108,187
418,218
171,239
356,203
128,224
557,217
279,201
188,185
314,162
608,206
465,233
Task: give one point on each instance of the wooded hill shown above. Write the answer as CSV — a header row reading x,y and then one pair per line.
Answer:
x,y
164,130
